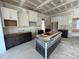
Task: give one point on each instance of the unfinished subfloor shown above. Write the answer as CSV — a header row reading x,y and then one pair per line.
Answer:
x,y
67,49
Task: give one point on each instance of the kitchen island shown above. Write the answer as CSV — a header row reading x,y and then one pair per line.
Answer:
x,y
47,42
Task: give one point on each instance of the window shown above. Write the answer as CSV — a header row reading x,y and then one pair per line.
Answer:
x,y
75,24
78,24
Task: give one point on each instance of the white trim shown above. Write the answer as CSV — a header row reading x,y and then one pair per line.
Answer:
x,y
45,50
39,1
41,5
31,3
46,5
55,5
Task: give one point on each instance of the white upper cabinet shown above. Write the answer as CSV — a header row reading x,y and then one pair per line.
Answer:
x,y
39,21
13,14
23,18
9,14
33,16
76,13
5,13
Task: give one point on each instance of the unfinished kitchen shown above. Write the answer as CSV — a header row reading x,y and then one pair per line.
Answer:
x,y
39,29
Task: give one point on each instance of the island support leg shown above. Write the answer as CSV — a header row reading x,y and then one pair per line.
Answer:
x,y
45,50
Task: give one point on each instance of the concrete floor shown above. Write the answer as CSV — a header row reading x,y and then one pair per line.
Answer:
x,y
67,49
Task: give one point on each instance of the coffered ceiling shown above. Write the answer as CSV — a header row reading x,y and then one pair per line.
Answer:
x,y
48,7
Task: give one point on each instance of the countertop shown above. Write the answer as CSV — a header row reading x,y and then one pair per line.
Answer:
x,y
48,37
16,33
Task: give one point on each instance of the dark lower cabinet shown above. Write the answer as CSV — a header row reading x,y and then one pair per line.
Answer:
x,y
52,48
41,49
22,38
25,37
64,33
12,40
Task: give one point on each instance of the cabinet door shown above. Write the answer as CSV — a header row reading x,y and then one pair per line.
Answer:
x,y
76,13
35,16
26,20
5,13
9,14
13,14
11,41
39,21
23,18
32,16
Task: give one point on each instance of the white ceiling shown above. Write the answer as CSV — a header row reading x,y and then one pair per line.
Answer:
x,y
48,7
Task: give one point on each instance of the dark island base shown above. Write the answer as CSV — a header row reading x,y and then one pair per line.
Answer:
x,y
41,49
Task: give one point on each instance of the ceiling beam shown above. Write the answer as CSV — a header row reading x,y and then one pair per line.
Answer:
x,y
48,6
45,6
15,0
31,3
59,6
39,1
70,9
71,5
22,2
65,7
28,6
44,3
55,5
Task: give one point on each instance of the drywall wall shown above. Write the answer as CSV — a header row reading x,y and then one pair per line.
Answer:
x,y
2,43
64,21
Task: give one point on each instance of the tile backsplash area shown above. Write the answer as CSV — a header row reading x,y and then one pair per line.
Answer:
x,y
20,29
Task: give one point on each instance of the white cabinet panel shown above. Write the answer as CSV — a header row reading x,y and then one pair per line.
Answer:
x,y
39,21
13,14
33,16
9,14
76,13
23,18
5,13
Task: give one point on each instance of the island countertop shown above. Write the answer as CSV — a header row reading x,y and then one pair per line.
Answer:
x,y
48,36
